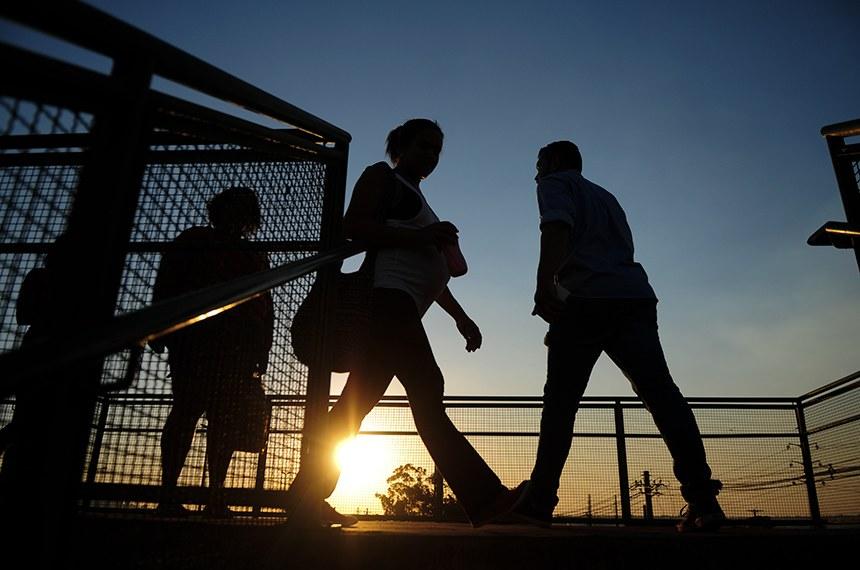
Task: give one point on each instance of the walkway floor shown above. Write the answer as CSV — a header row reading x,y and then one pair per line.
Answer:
x,y
150,543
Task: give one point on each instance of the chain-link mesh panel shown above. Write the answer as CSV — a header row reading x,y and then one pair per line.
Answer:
x,y
834,426
753,450
35,197
285,442
37,187
760,466
175,194
178,185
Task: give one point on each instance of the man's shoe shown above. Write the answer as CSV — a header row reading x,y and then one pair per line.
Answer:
x,y
329,516
505,502
701,519
702,512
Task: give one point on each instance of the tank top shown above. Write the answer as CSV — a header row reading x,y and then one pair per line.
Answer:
x,y
422,272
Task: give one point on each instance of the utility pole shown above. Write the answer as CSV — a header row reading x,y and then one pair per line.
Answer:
x,y
649,506
650,489
588,513
616,509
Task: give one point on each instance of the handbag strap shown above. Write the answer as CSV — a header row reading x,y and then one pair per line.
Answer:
x,y
386,204
390,195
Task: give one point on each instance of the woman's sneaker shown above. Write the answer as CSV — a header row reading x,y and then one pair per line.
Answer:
x,y
329,516
527,512
534,511
504,503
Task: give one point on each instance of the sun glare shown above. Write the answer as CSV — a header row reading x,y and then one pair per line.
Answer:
x,y
365,464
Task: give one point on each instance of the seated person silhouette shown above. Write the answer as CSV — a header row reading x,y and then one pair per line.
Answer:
x,y
216,365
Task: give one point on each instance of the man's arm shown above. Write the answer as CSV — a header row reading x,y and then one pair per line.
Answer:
x,y
554,238
465,325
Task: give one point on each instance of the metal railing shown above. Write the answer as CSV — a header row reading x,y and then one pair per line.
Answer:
x,y
831,429
782,460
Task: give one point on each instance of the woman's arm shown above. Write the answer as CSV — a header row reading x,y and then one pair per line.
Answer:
x,y
364,223
465,325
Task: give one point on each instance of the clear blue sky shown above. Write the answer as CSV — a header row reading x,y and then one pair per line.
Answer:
x,y
702,118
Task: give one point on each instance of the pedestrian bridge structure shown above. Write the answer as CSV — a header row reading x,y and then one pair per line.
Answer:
x,y
100,170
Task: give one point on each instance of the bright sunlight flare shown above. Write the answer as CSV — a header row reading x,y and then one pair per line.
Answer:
x,y
365,463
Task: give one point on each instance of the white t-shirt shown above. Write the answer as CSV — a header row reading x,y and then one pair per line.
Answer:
x,y
600,260
420,271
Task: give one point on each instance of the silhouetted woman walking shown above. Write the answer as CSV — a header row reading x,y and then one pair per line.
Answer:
x,y
410,274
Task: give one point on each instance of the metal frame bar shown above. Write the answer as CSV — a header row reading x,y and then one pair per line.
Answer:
x,y
843,156
277,499
808,471
109,36
68,346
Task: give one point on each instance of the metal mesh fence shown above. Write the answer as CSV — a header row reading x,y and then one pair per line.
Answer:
x,y
834,427
37,187
41,161
176,190
38,184
753,448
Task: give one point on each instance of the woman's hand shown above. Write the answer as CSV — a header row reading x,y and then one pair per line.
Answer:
x,y
471,333
440,233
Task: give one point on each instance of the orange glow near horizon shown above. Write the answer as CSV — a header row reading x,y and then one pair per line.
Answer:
x,y
365,464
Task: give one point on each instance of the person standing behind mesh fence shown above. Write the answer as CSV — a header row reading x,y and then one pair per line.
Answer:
x,y
596,299
215,365
27,469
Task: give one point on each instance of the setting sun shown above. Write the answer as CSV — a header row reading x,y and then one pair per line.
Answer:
x,y
365,463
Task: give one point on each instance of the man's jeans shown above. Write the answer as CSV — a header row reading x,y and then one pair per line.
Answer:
x,y
626,329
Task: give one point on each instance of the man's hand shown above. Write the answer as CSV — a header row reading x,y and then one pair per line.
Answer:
x,y
547,304
471,333
553,250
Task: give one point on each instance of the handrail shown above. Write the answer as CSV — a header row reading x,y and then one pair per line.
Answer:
x,y
99,32
843,129
734,401
738,401
136,328
824,391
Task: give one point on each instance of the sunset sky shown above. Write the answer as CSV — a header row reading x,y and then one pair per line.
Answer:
x,y
702,118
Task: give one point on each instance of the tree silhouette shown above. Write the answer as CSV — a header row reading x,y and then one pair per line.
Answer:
x,y
411,493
